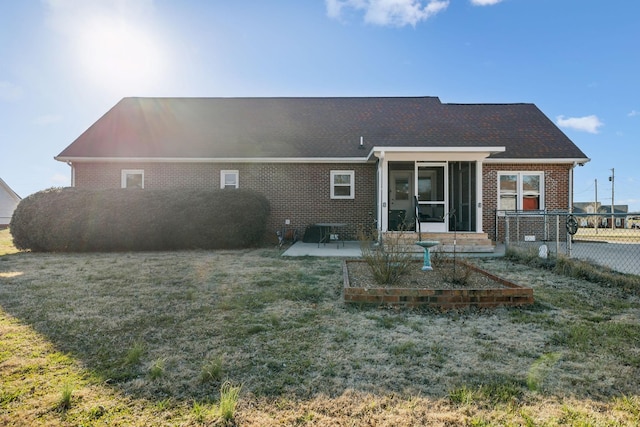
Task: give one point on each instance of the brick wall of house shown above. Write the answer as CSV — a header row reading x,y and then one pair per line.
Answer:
x,y
556,189
301,192
298,192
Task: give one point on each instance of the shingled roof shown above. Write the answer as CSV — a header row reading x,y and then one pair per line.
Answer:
x,y
307,128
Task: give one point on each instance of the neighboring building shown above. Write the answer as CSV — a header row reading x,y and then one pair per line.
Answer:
x,y
590,214
339,160
8,202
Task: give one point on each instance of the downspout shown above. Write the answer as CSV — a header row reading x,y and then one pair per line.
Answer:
x,y
73,174
380,179
570,192
378,220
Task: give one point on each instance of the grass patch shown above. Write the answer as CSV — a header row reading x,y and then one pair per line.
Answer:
x,y
167,338
540,370
6,243
157,369
576,268
229,395
64,402
134,354
212,370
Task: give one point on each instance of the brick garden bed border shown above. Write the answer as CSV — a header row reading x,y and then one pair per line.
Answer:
x,y
506,293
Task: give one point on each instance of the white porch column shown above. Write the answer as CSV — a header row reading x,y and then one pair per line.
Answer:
x,y
383,188
479,200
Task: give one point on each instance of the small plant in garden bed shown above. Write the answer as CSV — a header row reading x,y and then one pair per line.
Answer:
x,y
388,262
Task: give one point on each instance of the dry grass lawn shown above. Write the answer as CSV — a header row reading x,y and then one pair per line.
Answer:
x,y
150,338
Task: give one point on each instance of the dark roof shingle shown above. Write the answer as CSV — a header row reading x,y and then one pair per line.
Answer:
x,y
314,128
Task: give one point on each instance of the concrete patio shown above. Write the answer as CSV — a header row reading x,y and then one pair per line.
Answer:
x,y
351,249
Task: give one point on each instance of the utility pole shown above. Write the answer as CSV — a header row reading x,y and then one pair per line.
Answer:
x,y
612,179
596,219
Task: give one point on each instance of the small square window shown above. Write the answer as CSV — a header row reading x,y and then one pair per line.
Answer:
x,y
229,179
132,178
342,184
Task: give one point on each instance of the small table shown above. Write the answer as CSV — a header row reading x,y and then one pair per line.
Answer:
x,y
327,229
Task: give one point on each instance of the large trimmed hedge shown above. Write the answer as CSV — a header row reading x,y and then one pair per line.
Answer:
x,y
73,220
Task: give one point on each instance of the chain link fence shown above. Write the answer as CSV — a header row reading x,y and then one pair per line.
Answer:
x,y
610,241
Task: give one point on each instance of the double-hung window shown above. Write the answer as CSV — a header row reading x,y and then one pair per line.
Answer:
x,y
229,179
342,184
132,178
520,191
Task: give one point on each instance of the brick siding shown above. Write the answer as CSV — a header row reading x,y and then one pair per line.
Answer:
x,y
301,192
297,192
556,189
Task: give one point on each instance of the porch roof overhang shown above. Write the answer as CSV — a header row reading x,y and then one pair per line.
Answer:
x,y
435,153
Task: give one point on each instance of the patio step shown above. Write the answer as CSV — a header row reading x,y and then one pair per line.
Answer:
x,y
449,242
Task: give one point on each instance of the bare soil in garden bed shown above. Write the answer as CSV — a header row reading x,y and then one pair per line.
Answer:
x,y
442,276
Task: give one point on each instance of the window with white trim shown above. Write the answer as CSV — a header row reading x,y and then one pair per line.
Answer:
x,y
229,179
520,191
342,184
132,178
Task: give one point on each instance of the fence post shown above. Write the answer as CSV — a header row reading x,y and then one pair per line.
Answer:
x,y
506,233
569,240
557,234
546,225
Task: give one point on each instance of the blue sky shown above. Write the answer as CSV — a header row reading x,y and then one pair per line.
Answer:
x,y
64,63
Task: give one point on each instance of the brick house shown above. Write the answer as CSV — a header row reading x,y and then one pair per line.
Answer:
x,y
358,161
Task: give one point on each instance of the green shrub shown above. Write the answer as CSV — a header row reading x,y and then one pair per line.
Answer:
x,y
75,220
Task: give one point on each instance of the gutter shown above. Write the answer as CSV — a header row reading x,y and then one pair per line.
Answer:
x,y
573,161
70,160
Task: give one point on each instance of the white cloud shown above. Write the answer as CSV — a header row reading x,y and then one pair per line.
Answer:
x,y
485,2
47,119
634,113
9,91
586,124
397,13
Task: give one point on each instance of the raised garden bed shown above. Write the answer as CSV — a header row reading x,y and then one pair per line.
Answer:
x,y
418,288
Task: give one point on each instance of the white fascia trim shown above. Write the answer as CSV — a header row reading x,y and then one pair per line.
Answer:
x,y
215,160
537,161
492,150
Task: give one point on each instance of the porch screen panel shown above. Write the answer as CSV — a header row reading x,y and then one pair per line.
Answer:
x,y
462,196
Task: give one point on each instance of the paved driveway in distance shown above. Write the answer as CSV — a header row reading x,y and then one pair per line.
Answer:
x,y
622,257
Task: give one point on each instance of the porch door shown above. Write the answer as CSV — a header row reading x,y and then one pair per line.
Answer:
x,y
431,186
401,193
